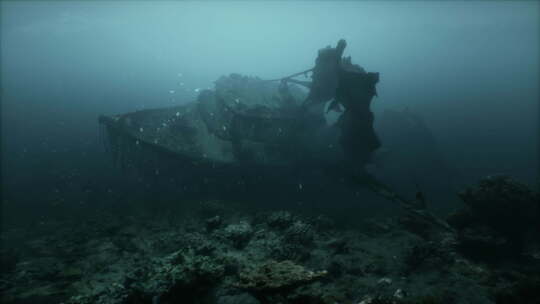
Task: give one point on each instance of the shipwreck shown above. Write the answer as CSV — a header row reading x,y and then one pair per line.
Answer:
x,y
253,132
251,124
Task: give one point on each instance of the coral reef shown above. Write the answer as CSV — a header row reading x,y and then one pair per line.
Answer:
x,y
228,256
181,274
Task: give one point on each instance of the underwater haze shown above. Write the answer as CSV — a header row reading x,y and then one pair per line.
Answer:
x,y
468,71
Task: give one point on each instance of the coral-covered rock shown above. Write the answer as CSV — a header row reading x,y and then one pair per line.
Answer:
x,y
239,234
300,233
500,216
274,276
502,203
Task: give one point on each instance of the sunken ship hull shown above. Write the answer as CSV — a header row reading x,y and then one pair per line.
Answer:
x,y
245,130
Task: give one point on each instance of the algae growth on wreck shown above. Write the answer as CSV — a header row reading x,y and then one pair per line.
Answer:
x,y
228,152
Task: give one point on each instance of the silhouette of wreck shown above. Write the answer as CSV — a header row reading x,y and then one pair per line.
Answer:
x,y
253,124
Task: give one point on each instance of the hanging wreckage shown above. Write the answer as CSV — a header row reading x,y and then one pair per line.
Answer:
x,y
246,122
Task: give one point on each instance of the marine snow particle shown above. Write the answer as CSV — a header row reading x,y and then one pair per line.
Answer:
x,y
141,129
171,91
177,114
197,90
237,100
300,186
137,142
224,128
181,84
180,75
